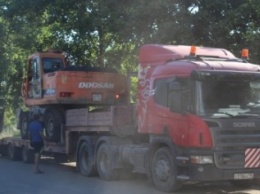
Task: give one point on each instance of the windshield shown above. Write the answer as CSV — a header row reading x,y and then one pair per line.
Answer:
x,y
229,98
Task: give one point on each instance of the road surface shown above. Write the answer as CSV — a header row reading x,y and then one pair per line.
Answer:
x,y
18,178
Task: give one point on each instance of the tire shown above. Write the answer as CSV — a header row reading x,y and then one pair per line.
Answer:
x,y
14,153
164,171
85,160
105,163
24,126
244,184
27,155
53,124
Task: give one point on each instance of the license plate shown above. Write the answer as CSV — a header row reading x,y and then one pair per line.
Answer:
x,y
241,176
96,97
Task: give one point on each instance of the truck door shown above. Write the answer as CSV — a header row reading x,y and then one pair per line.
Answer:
x,y
166,117
35,85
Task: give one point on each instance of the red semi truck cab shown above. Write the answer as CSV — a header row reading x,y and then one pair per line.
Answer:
x,y
203,103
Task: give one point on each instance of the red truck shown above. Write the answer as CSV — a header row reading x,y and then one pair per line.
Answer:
x,y
196,119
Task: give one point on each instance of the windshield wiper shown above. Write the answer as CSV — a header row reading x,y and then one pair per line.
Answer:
x,y
246,115
226,113
239,115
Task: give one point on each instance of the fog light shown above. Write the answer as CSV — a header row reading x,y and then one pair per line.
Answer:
x,y
201,159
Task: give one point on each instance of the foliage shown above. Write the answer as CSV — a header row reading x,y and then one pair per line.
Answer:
x,y
109,33
232,24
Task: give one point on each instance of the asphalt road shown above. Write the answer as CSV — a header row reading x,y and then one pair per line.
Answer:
x,y
18,178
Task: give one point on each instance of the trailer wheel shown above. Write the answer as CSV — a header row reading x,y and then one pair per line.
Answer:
x,y
244,184
53,124
27,155
164,171
85,160
105,163
24,125
14,153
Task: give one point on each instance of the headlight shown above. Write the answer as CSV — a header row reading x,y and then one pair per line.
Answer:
x,y
201,159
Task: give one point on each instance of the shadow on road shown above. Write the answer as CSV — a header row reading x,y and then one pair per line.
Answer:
x,y
66,172
193,188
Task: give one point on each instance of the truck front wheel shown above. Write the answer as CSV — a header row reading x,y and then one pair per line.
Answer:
x,y
53,124
164,171
105,163
85,160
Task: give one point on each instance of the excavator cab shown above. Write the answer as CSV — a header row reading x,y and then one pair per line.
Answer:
x,y
38,65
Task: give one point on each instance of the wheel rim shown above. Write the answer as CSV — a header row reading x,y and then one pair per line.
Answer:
x,y
53,125
50,127
162,169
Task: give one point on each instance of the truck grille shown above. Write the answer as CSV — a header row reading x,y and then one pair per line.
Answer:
x,y
236,138
230,142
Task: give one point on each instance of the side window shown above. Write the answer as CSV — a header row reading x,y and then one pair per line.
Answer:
x,y
47,66
35,69
160,92
30,70
172,89
52,64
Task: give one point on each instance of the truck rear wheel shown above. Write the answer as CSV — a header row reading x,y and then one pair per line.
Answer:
x,y
105,163
164,171
27,155
14,153
53,124
85,160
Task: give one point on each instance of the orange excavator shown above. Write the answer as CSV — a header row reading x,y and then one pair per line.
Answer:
x,y
51,87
